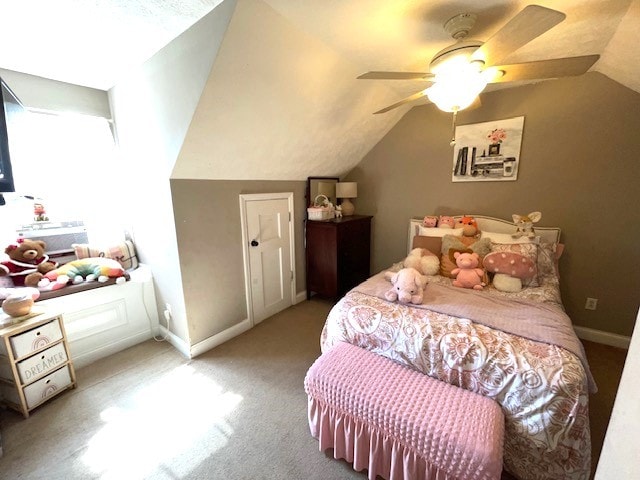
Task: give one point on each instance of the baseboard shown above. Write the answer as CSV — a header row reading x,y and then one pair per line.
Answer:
x,y
178,343
606,338
219,338
300,297
82,360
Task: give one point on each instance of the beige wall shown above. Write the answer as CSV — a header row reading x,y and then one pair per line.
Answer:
x,y
579,167
209,236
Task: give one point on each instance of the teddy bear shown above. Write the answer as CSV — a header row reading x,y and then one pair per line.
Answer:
x,y
27,262
408,286
426,262
524,224
468,275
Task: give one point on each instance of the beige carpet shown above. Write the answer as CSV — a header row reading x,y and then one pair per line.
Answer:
x,y
236,412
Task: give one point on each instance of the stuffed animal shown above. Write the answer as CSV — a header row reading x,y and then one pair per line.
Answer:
x,y
85,270
468,275
426,262
446,222
430,221
27,262
18,301
524,224
408,286
470,231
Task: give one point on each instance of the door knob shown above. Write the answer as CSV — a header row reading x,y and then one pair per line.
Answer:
x,y
254,243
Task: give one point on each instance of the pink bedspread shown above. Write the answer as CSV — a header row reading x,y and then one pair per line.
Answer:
x,y
543,388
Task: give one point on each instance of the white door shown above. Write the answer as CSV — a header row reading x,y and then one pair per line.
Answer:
x,y
268,253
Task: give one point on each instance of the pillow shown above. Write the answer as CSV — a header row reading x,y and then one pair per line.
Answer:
x,y
529,250
433,244
507,238
124,253
451,244
548,257
439,232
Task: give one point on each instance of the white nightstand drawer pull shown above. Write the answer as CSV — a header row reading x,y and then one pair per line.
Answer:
x,y
32,340
42,363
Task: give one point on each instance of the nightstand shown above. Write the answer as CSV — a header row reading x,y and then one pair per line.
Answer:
x,y
337,254
35,363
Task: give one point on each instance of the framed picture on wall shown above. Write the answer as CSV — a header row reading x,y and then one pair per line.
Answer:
x,y
488,151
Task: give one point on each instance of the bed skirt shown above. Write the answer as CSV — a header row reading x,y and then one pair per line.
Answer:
x,y
366,447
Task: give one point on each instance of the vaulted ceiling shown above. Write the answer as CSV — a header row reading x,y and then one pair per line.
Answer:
x,y
93,43
285,73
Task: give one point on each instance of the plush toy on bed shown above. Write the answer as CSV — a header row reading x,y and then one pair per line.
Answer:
x,y
470,231
430,221
468,275
408,286
27,262
426,262
445,221
524,224
86,270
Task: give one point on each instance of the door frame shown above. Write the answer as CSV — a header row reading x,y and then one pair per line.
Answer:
x,y
251,197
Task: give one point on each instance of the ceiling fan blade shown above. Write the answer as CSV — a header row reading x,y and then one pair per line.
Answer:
x,y
531,22
413,97
396,76
555,68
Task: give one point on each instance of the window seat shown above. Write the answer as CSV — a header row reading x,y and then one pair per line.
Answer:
x,y
101,319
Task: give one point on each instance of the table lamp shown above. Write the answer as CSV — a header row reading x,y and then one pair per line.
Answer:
x,y
346,191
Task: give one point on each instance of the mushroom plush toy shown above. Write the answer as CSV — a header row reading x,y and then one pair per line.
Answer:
x,y
510,270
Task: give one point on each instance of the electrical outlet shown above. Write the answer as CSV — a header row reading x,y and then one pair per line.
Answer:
x,y
591,304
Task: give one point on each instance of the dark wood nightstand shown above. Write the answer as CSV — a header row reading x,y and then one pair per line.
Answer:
x,y
338,254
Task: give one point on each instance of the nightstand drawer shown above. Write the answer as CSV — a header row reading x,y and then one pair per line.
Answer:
x,y
35,339
46,387
42,363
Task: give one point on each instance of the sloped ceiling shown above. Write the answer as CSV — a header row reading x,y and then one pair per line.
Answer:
x,y
282,101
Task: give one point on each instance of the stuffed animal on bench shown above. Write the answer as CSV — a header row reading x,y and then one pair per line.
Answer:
x,y
85,270
408,286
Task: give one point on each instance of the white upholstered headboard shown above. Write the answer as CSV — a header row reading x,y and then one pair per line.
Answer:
x,y
491,224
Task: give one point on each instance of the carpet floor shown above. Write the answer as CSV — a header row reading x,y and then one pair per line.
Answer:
x,y
235,412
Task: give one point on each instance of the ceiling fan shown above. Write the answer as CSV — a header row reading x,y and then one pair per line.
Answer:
x,y
461,71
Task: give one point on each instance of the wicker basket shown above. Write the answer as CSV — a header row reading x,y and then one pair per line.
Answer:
x,y
321,209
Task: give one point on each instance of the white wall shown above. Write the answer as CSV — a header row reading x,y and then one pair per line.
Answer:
x,y
152,108
281,105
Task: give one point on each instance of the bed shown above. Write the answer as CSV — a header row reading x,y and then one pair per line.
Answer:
x,y
519,349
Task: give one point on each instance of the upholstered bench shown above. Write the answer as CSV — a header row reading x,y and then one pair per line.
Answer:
x,y
399,423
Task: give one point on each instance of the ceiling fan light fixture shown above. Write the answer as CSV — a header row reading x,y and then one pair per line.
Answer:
x,y
457,84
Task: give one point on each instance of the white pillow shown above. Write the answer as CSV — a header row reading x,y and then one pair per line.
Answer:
x,y
439,232
507,238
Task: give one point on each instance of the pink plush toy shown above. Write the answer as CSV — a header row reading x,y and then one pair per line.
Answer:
x,y
446,222
408,286
468,275
430,221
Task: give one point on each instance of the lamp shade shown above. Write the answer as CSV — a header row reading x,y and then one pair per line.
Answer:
x,y
346,190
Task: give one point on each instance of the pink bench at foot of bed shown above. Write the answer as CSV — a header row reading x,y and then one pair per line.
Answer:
x,y
398,423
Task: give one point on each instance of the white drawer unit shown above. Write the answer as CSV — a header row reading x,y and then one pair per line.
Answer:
x,y
35,364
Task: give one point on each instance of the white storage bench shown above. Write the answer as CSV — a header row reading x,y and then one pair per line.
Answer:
x,y
399,423
104,320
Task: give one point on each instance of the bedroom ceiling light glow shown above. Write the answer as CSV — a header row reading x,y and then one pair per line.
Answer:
x,y
457,84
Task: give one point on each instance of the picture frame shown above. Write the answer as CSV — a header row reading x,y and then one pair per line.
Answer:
x,y
488,151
